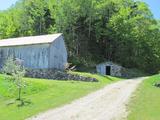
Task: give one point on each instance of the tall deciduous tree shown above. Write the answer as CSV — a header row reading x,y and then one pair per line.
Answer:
x,y
123,31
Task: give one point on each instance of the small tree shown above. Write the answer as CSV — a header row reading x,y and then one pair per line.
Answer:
x,y
15,68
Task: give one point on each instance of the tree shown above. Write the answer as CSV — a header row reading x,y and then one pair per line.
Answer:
x,y
36,17
14,68
122,31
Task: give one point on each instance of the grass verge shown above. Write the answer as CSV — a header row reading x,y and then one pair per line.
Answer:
x,y
41,95
145,104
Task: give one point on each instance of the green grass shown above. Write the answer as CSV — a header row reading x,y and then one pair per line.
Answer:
x,y
145,104
45,94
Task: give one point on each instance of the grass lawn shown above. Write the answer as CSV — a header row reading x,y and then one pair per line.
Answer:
x,y
145,104
42,95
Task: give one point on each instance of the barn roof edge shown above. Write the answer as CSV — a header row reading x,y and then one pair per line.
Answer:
x,y
29,40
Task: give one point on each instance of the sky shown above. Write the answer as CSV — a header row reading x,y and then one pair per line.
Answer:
x,y
153,4
4,4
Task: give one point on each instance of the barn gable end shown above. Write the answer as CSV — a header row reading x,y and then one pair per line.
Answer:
x,y
58,54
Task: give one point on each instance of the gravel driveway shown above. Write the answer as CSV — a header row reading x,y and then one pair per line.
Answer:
x,y
108,103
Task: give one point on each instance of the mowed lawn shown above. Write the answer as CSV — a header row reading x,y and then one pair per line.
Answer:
x,y
145,104
41,95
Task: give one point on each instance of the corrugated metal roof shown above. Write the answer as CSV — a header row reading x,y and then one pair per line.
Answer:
x,y
42,39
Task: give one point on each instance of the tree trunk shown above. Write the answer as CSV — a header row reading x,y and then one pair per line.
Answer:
x,y
19,93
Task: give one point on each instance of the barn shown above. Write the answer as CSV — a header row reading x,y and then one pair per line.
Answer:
x,y
37,52
109,68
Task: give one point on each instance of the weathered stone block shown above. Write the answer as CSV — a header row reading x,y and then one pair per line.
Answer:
x,y
57,75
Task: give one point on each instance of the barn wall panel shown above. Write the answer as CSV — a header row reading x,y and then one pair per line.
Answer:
x,y
34,56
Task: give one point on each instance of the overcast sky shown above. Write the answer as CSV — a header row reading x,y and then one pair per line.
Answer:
x,y
153,4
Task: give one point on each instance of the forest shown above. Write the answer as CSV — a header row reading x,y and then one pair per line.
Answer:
x,y
122,31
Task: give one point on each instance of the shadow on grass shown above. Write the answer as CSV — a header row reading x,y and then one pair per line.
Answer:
x,y
24,103
19,103
105,76
110,77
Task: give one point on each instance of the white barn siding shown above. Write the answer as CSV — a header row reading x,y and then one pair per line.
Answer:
x,y
101,69
34,56
58,54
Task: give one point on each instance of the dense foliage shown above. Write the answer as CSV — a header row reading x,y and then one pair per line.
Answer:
x,y
123,31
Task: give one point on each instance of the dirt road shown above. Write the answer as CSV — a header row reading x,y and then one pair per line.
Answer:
x,y
108,103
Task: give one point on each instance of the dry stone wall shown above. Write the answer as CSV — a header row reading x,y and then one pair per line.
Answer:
x,y
57,75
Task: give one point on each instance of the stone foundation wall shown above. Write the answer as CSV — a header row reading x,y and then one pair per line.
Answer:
x,y
116,70
57,75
